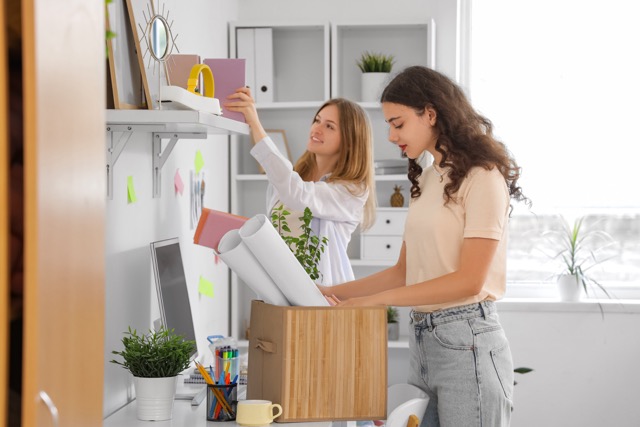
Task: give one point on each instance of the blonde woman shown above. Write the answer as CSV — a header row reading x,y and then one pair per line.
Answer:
x,y
333,178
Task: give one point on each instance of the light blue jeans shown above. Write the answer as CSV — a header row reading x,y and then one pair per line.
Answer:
x,y
461,358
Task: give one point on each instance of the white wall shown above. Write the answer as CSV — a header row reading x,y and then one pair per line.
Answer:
x,y
585,366
130,289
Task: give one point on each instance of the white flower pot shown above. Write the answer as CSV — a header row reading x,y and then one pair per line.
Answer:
x,y
154,397
393,331
372,85
570,288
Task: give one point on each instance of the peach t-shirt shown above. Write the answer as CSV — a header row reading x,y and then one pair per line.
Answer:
x,y
434,231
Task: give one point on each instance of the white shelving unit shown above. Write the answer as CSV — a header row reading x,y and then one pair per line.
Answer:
x,y
313,62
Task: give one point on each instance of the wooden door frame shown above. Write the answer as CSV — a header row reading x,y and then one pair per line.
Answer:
x,y
4,225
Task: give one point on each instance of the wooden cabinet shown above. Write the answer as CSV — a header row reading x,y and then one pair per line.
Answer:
x,y
64,206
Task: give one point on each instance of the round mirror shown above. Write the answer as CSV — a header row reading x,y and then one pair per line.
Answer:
x,y
158,37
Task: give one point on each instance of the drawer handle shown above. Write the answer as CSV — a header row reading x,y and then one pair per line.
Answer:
x,y
388,246
388,221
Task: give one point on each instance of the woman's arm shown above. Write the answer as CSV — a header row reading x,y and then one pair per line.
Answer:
x,y
390,278
475,261
332,201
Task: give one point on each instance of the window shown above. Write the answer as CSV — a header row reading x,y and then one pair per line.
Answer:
x,y
560,80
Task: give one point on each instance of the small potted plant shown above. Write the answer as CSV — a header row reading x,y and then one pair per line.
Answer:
x,y
393,328
375,69
307,247
578,251
155,360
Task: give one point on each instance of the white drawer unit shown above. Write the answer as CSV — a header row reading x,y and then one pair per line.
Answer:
x,y
381,247
383,241
389,222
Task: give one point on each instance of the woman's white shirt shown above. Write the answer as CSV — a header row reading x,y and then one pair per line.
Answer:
x,y
336,210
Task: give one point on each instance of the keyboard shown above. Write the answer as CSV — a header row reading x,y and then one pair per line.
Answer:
x,y
195,378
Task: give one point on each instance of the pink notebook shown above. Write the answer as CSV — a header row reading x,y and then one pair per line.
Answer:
x,y
228,75
215,224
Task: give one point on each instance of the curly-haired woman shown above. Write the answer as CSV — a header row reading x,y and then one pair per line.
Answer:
x,y
452,265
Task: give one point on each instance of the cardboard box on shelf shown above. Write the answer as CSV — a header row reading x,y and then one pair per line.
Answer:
x,y
319,363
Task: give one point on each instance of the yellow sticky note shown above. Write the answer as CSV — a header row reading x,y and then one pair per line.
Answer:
x,y
199,162
205,287
131,191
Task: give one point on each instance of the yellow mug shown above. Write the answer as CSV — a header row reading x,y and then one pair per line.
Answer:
x,y
253,413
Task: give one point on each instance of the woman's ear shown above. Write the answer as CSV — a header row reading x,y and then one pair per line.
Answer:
x,y
432,115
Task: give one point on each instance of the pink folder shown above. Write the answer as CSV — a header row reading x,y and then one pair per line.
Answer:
x,y
215,224
228,75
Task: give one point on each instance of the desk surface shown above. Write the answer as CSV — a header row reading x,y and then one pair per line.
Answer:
x,y
183,415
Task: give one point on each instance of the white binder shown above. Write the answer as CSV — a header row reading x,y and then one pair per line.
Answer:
x,y
264,65
256,46
245,48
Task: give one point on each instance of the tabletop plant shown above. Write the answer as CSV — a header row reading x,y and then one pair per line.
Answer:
x,y
307,247
159,354
579,250
375,63
392,314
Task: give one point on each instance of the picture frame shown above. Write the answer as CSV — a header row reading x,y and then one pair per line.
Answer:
x,y
123,72
279,138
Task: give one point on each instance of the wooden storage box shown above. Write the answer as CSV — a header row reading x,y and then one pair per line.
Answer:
x,y
319,363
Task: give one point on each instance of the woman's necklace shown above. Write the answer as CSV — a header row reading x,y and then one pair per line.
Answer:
x,y
440,175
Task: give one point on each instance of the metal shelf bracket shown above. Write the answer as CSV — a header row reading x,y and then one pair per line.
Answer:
x,y
160,156
114,149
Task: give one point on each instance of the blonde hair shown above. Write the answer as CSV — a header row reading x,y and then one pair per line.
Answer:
x,y
355,163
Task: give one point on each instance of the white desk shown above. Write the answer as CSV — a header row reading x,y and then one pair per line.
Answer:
x,y
184,415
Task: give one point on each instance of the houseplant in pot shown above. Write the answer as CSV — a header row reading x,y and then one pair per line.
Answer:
x,y
579,250
155,360
375,69
393,327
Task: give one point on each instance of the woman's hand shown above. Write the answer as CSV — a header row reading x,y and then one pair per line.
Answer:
x,y
367,301
241,101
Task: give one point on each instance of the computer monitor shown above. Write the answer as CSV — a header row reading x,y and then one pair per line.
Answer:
x,y
171,286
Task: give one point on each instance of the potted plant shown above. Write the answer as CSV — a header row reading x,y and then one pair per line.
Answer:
x,y
393,328
375,69
155,360
579,251
307,247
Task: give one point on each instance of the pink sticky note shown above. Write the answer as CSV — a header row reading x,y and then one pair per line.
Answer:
x,y
177,181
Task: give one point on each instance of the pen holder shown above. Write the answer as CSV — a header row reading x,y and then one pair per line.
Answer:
x,y
227,370
222,402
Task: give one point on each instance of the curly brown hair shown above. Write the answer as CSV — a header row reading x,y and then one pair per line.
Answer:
x,y
465,138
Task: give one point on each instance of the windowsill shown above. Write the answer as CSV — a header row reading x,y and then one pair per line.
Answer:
x,y
554,305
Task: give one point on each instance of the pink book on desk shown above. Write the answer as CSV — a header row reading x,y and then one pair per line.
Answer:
x,y
228,75
215,224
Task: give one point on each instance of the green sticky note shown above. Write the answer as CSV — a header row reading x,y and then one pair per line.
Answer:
x,y
205,287
199,162
131,191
